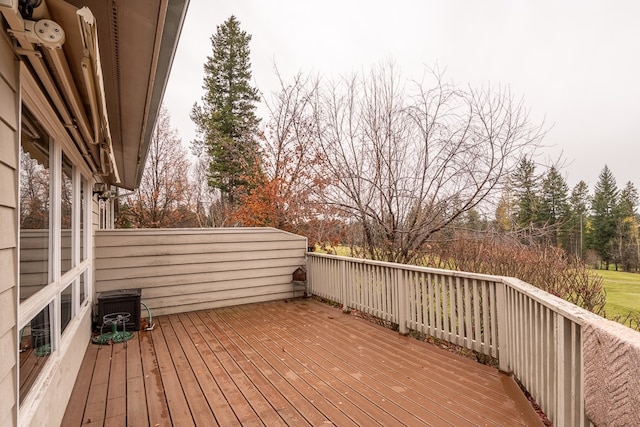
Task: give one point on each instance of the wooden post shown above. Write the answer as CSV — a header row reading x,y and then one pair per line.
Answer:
x,y
402,303
503,341
564,380
344,290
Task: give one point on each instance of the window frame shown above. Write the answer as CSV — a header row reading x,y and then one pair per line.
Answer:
x,y
33,100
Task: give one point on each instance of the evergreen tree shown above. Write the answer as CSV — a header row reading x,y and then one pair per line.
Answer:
x,y
579,203
628,200
604,212
554,206
226,121
473,220
525,188
627,248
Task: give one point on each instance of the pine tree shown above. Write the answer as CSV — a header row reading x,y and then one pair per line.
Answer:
x,y
554,205
525,187
579,203
226,121
627,250
604,212
628,200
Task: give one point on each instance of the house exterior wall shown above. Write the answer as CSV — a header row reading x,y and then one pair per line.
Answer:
x,y
9,125
182,270
49,393
61,380
59,383
52,118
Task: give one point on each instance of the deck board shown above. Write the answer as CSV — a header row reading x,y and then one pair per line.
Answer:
x,y
194,344
176,399
363,391
291,414
156,400
117,389
198,405
77,402
332,387
403,371
212,350
136,402
286,363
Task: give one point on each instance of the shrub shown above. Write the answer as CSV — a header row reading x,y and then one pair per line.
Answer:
x,y
545,267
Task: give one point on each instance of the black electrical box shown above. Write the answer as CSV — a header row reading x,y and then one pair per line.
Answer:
x,y
121,301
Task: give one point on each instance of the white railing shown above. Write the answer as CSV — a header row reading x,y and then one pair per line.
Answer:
x,y
534,335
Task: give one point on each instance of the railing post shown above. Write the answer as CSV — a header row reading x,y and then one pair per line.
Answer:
x,y
402,303
503,344
308,262
563,363
344,286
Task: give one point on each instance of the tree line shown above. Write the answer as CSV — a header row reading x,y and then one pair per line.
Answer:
x,y
599,226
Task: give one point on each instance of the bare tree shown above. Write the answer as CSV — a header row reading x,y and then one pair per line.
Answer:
x,y
207,201
287,194
288,138
164,197
34,193
409,162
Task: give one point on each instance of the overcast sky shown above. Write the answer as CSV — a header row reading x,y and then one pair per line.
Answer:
x,y
576,63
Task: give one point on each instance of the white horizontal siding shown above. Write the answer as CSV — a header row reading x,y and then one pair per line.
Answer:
x,y
182,270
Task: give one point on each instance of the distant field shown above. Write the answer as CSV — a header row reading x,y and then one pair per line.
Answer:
x,y
623,292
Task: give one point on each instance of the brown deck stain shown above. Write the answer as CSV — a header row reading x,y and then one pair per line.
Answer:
x,y
300,363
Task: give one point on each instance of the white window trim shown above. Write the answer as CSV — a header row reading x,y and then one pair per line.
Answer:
x,y
32,98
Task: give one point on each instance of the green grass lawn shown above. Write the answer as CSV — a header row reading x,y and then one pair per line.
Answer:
x,y
335,250
623,292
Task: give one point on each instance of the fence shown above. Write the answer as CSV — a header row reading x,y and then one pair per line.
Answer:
x,y
534,335
180,270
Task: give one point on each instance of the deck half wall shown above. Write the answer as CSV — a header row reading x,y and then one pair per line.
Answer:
x,y
181,270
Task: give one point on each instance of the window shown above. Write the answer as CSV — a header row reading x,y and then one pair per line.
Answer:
x,y
35,200
66,214
54,247
35,348
83,220
83,287
66,307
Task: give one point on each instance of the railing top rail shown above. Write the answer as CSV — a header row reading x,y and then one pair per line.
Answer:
x,y
192,231
569,310
557,304
441,271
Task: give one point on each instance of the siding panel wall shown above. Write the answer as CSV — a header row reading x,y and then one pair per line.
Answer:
x,y
182,270
9,101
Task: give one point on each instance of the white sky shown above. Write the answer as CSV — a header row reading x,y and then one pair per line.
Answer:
x,y
577,63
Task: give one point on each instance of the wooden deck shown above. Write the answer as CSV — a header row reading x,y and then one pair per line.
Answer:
x,y
286,363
